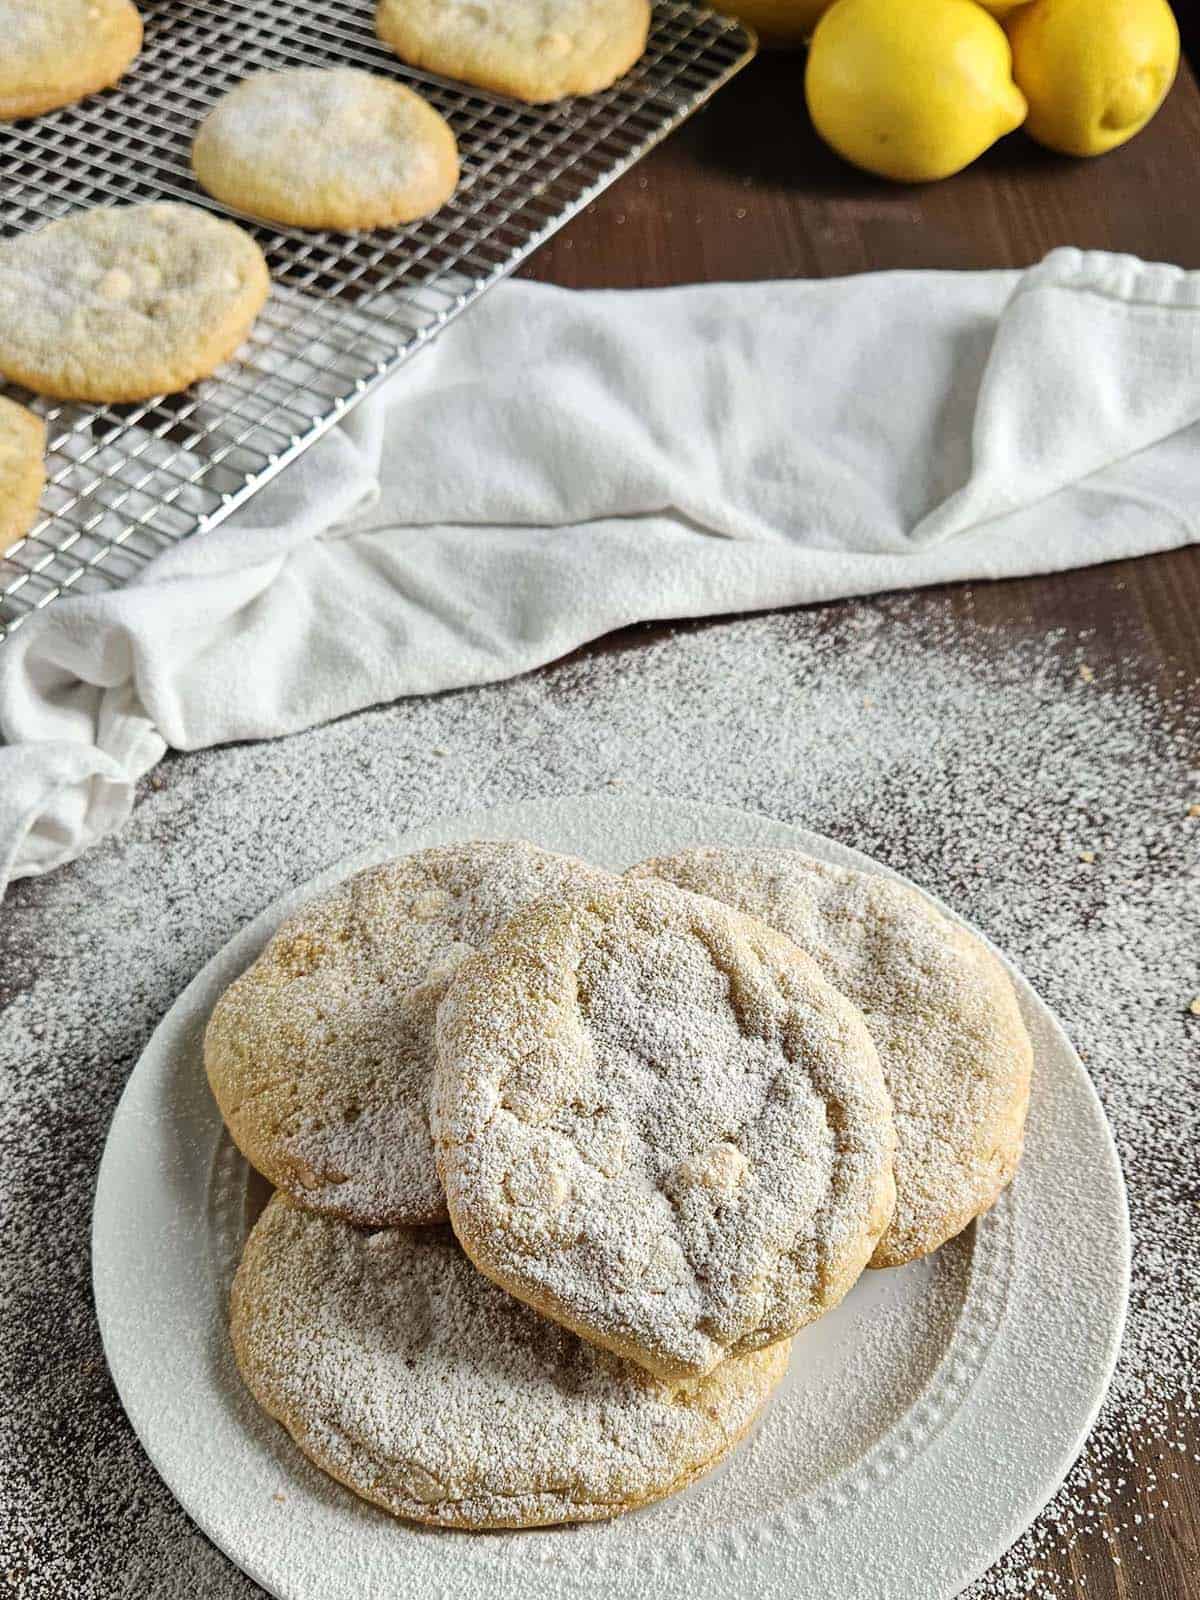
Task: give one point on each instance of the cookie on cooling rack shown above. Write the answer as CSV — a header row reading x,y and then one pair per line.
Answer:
x,y
22,469
321,1055
658,1124
534,50
941,1009
315,148
57,51
405,1374
126,302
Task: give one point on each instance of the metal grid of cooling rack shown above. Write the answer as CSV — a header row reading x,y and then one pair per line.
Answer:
x,y
346,309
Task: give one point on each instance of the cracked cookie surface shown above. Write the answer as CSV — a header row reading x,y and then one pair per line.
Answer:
x,y
406,1375
940,1007
321,1054
658,1124
123,303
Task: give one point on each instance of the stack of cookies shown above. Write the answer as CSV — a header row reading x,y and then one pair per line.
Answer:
x,y
564,1160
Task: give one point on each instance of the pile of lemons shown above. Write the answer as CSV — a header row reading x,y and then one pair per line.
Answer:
x,y
917,89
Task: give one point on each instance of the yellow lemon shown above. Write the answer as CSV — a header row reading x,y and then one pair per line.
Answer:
x,y
1001,8
1094,71
777,22
911,91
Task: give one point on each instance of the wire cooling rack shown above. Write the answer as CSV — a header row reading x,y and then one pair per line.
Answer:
x,y
346,309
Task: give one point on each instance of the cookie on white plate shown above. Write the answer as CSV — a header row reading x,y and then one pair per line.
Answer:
x,y
123,303
326,148
321,1055
406,1375
941,1009
534,50
657,1123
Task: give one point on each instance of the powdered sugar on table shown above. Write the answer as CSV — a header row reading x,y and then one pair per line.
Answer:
x,y
984,769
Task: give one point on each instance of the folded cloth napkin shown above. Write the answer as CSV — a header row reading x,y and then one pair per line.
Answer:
x,y
559,464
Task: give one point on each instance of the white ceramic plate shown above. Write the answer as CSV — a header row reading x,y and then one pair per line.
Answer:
x,y
920,1428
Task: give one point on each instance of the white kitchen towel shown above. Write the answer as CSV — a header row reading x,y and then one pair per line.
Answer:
x,y
558,464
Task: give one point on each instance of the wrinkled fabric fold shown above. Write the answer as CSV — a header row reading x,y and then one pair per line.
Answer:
x,y
560,464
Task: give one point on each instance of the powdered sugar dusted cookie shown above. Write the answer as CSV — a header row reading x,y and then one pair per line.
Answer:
x,y
326,149
535,50
658,1124
22,469
940,1008
58,51
126,302
405,1374
321,1055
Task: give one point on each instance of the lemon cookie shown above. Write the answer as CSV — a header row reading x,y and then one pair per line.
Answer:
x,y
321,1055
535,50
126,302
939,1005
658,1124
22,469
405,1374
58,51
326,149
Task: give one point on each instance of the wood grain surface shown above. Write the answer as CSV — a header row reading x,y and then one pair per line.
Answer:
x,y
747,190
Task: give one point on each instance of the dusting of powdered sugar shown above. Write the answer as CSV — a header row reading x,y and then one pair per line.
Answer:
x,y
983,766
38,34
407,1375
125,301
321,1054
326,147
658,1123
940,1008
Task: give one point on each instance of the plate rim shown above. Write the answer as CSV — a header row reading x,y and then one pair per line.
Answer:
x,y
771,1547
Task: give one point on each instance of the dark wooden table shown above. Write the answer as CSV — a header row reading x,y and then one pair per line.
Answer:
x,y
747,191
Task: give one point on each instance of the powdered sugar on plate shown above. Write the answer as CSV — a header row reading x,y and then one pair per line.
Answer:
x,y
321,1055
982,768
658,1123
404,1373
939,1007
